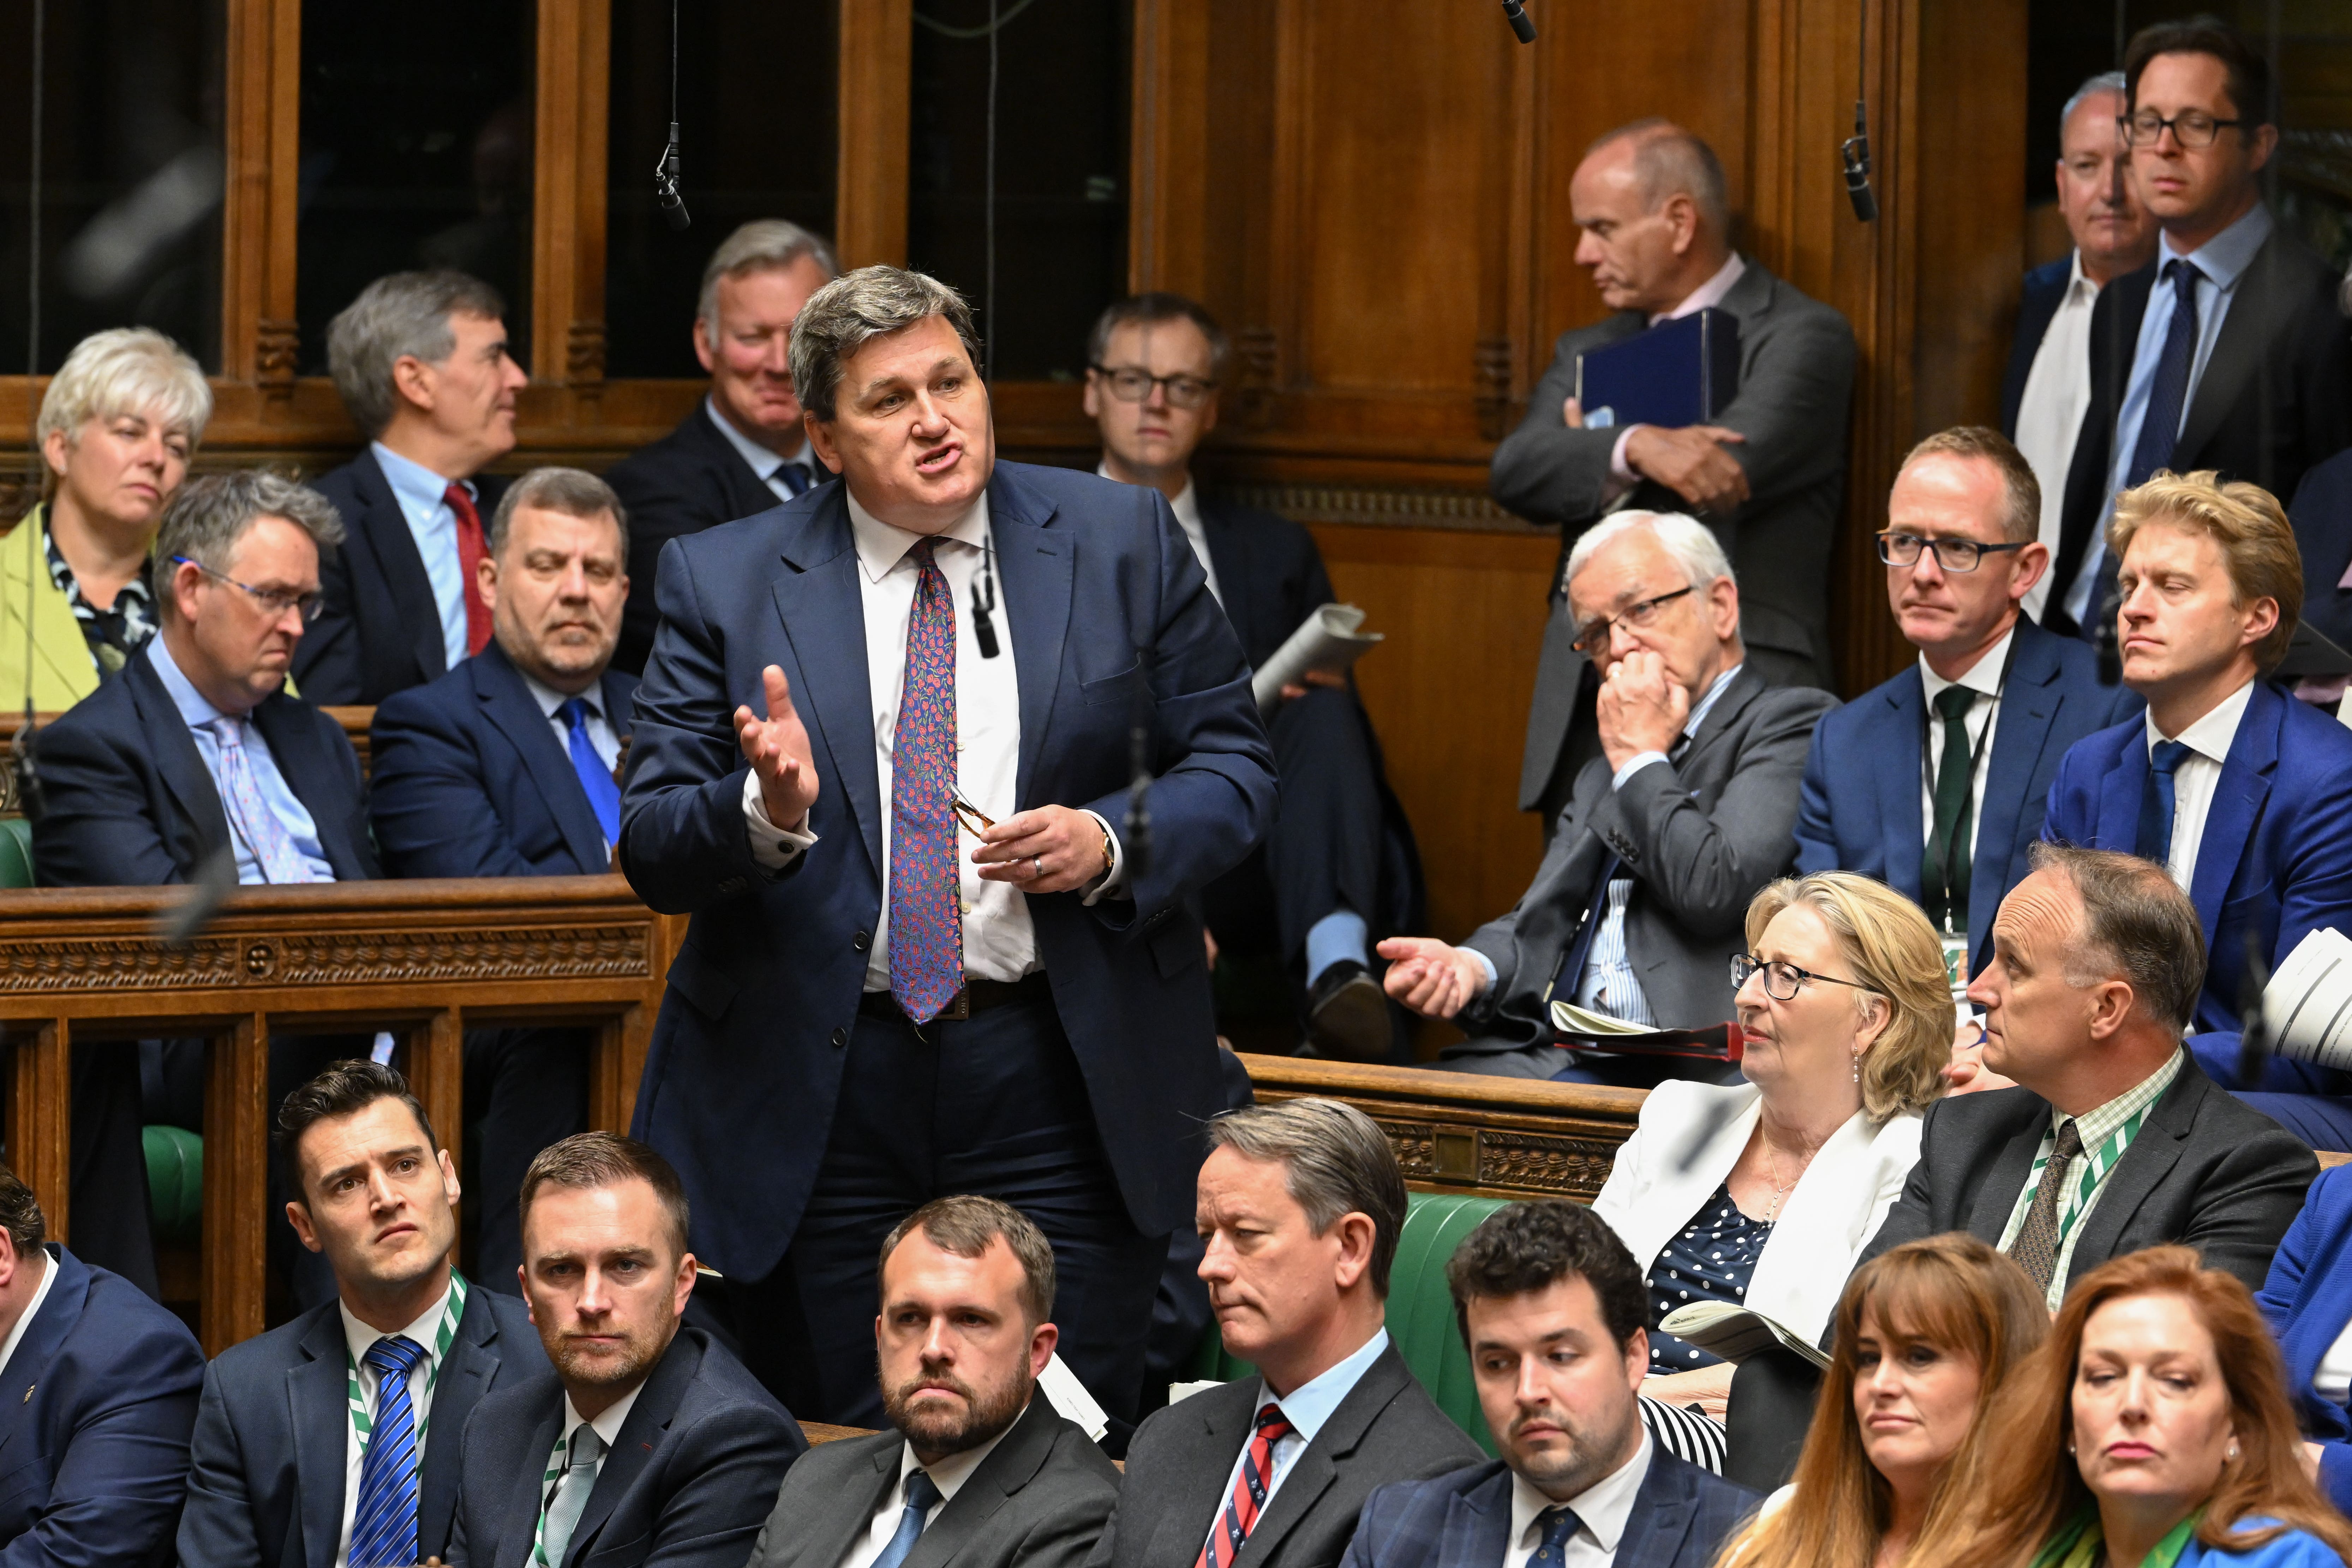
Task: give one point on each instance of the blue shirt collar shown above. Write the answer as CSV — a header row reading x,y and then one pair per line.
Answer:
x,y
195,710
1706,703
1310,1405
763,462
2229,253
416,488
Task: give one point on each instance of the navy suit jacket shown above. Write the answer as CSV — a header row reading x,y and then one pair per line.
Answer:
x,y
1463,1520
2037,307
1859,806
2307,1300
690,479
470,781
96,1405
2322,514
689,1481
266,1487
380,631
2276,858
1109,616
130,804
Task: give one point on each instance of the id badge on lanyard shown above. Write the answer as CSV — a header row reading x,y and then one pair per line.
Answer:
x,y
1956,975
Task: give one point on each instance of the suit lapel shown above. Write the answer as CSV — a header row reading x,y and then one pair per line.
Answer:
x,y
1311,1474
1995,1196
515,713
467,1374
30,1363
2022,729
383,526
2119,796
1034,567
1896,768
299,746
824,616
2144,1166
319,1411
513,1546
1660,1515
1478,1528
2237,357
2238,801
1008,1468
177,759
633,1444
839,1526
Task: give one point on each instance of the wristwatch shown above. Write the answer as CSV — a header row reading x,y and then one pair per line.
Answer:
x,y
1108,848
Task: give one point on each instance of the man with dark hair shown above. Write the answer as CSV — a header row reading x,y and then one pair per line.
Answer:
x,y
1338,869
975,1466
421,362
1766,475
1552,1308
98,1393
657,1446
1300,1205
2227,351
312,1446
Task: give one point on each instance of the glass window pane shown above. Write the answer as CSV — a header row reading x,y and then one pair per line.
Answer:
x,y
757,130
131,173
1061,170
417,130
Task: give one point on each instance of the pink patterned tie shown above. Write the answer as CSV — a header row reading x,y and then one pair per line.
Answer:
x,y
925,908
249,814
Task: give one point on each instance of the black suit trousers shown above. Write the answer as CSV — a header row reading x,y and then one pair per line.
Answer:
x,y
527,1089
1323,852
992,1104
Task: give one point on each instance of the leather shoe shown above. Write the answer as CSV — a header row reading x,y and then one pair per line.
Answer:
x,y
1348,1015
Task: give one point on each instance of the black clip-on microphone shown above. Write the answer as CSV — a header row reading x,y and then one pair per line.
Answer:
x,y
2255,1048
666,172
1517,15
1135,832
1855,150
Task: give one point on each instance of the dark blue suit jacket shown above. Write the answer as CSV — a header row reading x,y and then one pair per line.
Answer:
x,y
2037,307
2307,1300
1109,617
266,1487
689,1479
95,1411
130,805
470,781
2322,514
1859,810
2276,858
1463,1520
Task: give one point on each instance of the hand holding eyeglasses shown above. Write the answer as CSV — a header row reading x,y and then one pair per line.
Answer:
x,y
1048,849
1642,707
777,747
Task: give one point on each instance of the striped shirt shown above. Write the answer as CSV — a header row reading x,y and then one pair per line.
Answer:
x,y
2106,1133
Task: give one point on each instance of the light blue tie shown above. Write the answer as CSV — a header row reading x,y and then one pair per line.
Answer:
x,y
922,1495
273,851
603,794
384,1526
582,1457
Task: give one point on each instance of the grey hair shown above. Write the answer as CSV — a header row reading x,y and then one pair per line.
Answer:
x,y
2105,81
1336,1163
1669,161
760,246
403,315
125,370
574,492
1694,547
208,515
858,307
2136,926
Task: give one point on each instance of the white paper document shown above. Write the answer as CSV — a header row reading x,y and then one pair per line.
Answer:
x,y
1329,641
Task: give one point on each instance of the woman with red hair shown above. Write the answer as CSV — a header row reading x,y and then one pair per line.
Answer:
x,y
2152,1431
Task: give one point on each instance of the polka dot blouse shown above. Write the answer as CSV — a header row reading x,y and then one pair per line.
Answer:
x,y
1710,1259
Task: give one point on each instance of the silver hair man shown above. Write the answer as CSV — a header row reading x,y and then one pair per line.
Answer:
x,y
858,307
404,315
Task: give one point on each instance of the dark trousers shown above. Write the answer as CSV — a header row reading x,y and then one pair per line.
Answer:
x,y
525,1089
994,1105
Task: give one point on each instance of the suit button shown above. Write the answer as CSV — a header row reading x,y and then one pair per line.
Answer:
x,y
862,941
840,1039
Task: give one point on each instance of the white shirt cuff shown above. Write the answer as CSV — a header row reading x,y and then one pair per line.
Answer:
x,y
1634,764
1621,477
772,846
1484,962
1111,884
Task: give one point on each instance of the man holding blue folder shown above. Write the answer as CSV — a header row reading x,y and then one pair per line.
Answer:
x,y
1766,472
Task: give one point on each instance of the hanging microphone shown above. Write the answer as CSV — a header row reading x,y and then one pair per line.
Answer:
x,y
1517,15
1134,833
1856,153
666,172
983,625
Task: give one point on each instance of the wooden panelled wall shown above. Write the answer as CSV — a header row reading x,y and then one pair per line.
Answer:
x,y
1375,199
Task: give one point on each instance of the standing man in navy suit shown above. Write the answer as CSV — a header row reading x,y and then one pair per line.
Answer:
x,y
882,746
421,361
98,1394
742,449
333,1442
2048,388
1934,782
2241,793
1553,1309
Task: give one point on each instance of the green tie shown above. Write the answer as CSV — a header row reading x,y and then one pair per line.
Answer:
x,y
1943,870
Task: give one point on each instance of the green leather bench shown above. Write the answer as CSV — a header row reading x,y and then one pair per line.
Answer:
x,y
16,852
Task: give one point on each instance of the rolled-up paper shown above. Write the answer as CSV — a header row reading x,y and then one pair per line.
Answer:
x,y
1328,641
2307,1005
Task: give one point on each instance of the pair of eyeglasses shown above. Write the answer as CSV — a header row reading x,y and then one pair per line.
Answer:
x,y
2192,127
1594,636
975,820
1781,981
1951,554
275,602
1132,385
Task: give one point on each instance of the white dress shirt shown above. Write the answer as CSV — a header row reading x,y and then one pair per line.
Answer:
x,y
1621,477
1602,1510
1983,677
999,940
949,1474
2050,414
32,1310
358,1337
2196,777
2331,1379
606,1427
761,461
422,496
278,797
1187,508
1307,1409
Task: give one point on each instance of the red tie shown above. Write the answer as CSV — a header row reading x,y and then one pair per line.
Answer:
x,y
1242,1509
470,550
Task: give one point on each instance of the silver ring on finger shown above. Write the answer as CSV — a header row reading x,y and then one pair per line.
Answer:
x,y
1036,867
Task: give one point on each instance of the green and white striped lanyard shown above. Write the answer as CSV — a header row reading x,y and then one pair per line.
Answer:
x,y
362,1424
2096,1163
557,1463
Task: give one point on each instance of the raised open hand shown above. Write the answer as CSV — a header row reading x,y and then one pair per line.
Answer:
x,y
777,747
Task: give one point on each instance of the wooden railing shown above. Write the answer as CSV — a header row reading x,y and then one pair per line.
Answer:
x,y
354,720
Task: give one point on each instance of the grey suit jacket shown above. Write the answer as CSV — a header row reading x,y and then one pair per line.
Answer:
x,y
1386,1429
1040,1499
1795,374
1699,837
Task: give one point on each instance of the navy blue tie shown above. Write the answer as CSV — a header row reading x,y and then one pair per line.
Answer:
x,y
796,475
2159,429
922,1495
1559,1524
2157,803
383,1525
595,776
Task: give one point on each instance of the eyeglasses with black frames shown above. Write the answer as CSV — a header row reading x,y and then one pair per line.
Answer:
x,y
1781,981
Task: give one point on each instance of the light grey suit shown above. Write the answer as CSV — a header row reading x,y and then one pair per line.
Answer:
x,y
1699,836
1796,375
1039,1499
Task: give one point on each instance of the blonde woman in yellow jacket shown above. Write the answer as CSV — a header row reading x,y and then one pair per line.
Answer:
x,y
118,425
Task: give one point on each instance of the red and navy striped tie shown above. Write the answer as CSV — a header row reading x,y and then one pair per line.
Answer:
x,y
1248,1500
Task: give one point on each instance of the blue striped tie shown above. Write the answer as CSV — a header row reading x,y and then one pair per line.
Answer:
x,y
383,1528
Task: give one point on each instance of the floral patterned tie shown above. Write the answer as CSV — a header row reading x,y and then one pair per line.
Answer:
x,y
926,906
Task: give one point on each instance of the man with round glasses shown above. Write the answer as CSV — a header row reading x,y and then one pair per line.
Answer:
x,y
1934,782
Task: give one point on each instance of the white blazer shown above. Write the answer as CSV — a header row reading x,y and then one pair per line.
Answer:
x,y
1670,1166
